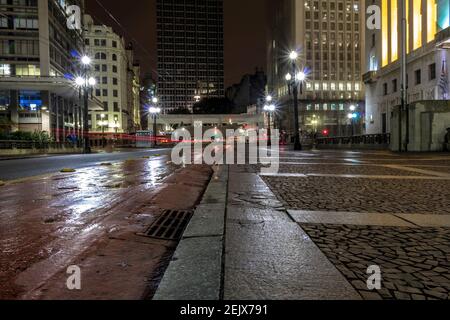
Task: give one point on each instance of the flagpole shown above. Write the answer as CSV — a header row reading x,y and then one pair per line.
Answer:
x,y
404,87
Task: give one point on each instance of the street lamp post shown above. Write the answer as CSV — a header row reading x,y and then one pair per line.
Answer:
x,y
295,80
154,111
86,83
352,117
102,116
270,109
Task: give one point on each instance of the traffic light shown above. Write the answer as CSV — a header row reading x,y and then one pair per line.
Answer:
x,y
325,132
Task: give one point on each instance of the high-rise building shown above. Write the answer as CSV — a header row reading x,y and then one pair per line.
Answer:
x,y
117,80
39,56
427,43
190,52
329,38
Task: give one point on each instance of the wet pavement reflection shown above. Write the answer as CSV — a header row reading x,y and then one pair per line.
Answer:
x,y
39,216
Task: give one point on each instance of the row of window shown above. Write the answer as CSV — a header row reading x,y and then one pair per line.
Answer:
x,y
330,16
104,68
104,56
19,23
104,80
100,43
329,107
20,47
333,86
21,3
105,93
417,79
314,5
115,106
19,70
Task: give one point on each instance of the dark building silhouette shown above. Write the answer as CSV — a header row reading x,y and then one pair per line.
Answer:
x,y
250,91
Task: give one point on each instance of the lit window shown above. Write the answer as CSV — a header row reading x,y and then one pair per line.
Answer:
x,y
5,70
30,100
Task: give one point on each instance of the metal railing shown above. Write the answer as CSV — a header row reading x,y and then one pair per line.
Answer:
x,y
371,139
30,145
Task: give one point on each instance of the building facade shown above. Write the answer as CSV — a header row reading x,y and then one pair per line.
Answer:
x,y
427,46
39,56
329,37
190,52
117,80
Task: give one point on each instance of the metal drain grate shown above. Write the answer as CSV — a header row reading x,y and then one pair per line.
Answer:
x,y
170,225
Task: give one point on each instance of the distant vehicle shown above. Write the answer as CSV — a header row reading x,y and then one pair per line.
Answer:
x,y
144,139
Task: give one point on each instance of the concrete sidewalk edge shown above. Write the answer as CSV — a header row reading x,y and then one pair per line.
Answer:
x,y
195,272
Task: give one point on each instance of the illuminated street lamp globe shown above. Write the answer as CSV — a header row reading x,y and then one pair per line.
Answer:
x,y
92,82
269,98
155,100
154,110
301,76
288,77
86,60
293,55
79,81
352,107
270,108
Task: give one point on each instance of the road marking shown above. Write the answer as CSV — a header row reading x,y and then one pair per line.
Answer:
x,y
348,218
352,176
370,219
426,172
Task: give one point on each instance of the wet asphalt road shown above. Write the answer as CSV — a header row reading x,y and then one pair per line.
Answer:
x,y
29,167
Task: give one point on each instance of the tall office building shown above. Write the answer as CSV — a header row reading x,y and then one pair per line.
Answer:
x,y
427,35
37,56
117,77
190,52
329,37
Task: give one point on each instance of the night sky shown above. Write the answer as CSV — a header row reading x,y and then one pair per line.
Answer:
x,y
245,32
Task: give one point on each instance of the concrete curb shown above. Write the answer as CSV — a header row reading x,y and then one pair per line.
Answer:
x,y
195,272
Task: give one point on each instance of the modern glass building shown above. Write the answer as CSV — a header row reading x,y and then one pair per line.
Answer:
x,y
190,52
38,58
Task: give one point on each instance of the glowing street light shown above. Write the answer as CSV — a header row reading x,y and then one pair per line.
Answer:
x,y
301,76
79,81
269,98
154,111
155,100
86,83
270,108
295,80
92,82
86,60
293,55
